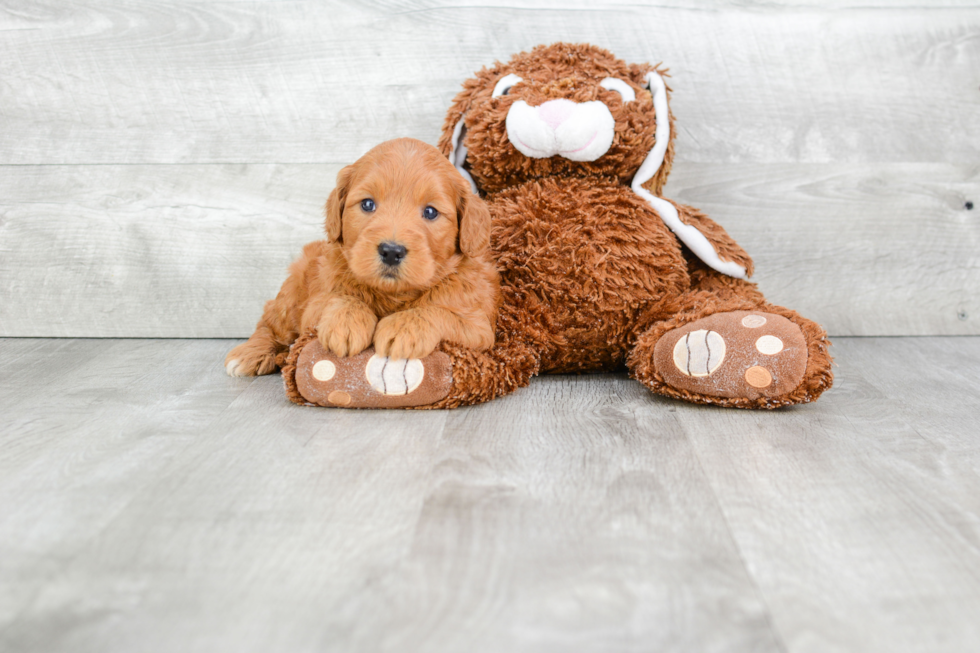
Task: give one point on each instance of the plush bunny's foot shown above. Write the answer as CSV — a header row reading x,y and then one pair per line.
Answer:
x,y
368,380
737,355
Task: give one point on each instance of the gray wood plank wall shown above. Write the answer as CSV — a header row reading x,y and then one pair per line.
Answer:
x,y
162,162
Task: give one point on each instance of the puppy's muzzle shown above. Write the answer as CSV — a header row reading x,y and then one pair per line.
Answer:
x,y
392,254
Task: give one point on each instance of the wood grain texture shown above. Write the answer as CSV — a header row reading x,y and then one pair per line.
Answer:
x,y
195,251
514,484
151,250
305,81
866,507
868,250
260,525
87,423
151,503
786,113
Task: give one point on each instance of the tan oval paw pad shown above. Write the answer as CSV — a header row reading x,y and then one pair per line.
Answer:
x,y
758,377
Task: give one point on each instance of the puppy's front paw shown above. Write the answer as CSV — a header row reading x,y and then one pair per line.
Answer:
x,y
250,359
405,335
347,331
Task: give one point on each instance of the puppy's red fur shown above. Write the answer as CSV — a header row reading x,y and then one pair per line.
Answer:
x,y
445,288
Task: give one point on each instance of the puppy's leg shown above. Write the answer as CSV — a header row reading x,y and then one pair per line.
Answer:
x,y
345,326
267,348
416,332
256,356
413,333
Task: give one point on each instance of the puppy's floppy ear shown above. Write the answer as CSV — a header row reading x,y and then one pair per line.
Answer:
x,y
474,224
335,205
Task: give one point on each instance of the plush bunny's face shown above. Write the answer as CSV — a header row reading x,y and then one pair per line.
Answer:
x,y
565,110
577,131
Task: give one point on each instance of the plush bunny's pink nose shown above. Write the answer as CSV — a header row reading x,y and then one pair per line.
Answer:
x,y
555,112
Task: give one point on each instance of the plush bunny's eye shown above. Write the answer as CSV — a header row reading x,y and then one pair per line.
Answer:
x,y
504,85
621,87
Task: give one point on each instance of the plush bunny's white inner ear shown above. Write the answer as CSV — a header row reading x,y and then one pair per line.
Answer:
x,y
688,235
457,153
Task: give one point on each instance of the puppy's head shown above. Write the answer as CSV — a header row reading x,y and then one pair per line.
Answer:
x,y
404,216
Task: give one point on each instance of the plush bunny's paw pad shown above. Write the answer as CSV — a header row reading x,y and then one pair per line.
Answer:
x,y
371,381
740,354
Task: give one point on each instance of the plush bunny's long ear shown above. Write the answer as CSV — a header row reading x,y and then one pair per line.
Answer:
x,y
457,152
688,235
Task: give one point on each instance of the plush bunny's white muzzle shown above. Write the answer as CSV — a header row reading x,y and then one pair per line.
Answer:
x,y
576,131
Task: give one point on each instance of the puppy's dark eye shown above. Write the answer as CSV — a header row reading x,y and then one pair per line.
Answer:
x,y
430,213
368,206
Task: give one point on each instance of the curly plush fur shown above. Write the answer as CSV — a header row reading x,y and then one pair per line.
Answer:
x,y
591,277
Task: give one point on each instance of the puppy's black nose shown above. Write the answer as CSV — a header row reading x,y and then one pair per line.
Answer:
x,y
391,253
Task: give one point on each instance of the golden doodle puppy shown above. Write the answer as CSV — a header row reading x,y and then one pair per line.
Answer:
x,y
405,266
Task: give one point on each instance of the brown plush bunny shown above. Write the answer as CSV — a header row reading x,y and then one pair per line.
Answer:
x,y
571,148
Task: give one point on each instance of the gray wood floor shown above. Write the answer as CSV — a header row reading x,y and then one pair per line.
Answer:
x,y
150,503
